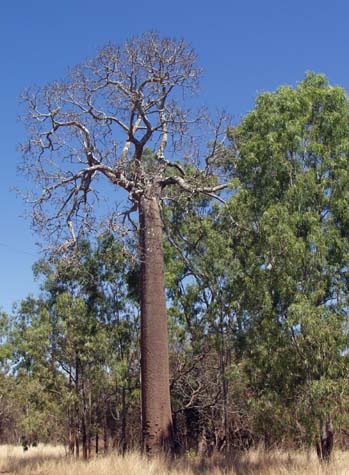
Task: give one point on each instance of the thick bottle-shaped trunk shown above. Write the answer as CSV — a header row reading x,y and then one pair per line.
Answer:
x,y
156,404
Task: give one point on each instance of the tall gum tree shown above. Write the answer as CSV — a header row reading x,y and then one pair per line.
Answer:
x,y
102,120
291,155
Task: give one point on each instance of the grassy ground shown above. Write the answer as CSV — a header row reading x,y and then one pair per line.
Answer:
x,y
46,460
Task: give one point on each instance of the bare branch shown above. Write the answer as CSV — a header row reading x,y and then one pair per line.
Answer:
x,y
192,188
102,119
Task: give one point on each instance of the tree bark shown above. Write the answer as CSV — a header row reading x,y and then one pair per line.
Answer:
x,y
156,404
71,419
90,422
123,420
77,410
325,446
97,423
84,437
84,422
225,442
105,431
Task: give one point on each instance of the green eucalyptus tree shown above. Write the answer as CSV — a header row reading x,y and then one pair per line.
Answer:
x,y
76,348
291,156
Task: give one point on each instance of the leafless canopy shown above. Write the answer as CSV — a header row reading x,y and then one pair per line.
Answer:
x,y
102,120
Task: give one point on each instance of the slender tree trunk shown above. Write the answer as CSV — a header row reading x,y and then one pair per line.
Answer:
x,y
90,422
105,431
84,416
96,426
156,404
84,423
97,442
71,419
123,420
325,445
77,411
71,436
89,442
84,438
77,444
224,382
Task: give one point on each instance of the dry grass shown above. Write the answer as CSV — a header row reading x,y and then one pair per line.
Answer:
x,y
48,460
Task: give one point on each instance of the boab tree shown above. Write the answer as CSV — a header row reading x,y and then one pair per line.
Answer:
x,y
117,116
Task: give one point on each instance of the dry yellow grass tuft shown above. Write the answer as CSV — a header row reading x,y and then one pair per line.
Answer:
x,y
48,460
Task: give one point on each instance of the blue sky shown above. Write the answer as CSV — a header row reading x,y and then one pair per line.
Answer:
x,y
244,47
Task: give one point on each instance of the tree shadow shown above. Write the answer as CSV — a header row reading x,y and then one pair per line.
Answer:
x,y
15,464
242,463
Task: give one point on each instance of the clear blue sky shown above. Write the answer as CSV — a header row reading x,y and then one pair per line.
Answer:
x,y
244,47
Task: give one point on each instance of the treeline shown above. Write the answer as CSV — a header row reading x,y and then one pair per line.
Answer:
x,y
257,297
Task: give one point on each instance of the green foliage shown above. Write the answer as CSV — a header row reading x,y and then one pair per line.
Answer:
x,y
264,279
292,164
70,347
257,292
